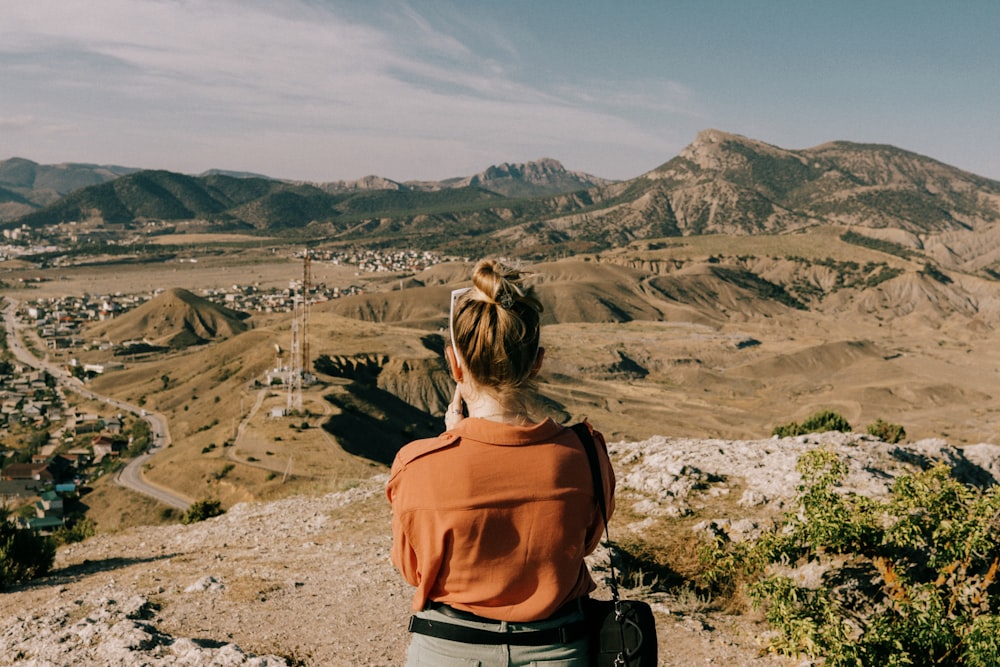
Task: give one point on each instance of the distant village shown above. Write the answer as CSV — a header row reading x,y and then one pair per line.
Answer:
x,y
59,320
60,449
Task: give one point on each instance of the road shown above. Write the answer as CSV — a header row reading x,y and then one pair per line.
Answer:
x,y
130,476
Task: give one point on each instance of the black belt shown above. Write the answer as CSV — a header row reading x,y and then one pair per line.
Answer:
x,y
448,610
564,634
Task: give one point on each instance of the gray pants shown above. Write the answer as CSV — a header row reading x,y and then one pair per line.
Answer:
x,y
433,652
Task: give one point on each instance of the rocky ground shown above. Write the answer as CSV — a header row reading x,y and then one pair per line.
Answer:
x,y
307,580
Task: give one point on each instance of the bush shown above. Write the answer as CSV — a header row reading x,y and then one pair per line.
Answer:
x,y
75,529
820,422
909,580
886,432
24,554
201,510
226,469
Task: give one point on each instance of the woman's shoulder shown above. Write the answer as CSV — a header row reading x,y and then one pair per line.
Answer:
x,y
420,448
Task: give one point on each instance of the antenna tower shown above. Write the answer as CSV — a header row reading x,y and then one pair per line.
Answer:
x,y
297,355
306,289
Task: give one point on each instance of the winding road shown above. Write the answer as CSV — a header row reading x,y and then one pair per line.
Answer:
x,y
130,476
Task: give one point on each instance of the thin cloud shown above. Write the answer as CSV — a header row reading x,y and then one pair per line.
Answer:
x,y
229,80
16,122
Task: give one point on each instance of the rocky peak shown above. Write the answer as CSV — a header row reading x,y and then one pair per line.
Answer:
x,y
717,150
363,184
538,177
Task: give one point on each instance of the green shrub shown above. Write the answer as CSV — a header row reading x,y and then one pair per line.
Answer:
x,y
226,469
788,430
909,580
820,422
201,510
826,420
75,529
886,432
24,554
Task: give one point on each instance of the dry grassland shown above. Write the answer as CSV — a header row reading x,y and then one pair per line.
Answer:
x,y
256,266
699,357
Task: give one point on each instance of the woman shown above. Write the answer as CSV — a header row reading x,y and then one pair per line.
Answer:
x,y
492,519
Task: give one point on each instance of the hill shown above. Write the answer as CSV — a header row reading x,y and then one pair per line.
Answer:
x,y
174,319
163,195
26,186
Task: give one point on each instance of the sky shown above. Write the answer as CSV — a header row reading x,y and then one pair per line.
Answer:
x,y
324,90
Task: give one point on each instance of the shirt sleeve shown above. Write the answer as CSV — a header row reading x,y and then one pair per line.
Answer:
x,y
596,531
403,555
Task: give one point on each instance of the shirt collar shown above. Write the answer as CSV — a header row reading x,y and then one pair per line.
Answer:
x,y
497,433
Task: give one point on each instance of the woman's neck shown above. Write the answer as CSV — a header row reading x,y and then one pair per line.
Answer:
x,y
486,406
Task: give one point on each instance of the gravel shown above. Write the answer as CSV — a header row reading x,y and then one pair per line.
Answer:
x,y
308,581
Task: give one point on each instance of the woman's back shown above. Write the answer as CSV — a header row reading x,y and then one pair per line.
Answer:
x,y
502,514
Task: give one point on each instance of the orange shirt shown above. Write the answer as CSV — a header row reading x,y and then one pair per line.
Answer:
x,y
495,519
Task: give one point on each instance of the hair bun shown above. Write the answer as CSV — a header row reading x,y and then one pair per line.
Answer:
x,y
501,285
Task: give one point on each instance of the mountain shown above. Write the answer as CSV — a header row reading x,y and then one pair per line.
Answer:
x,y
720,184
234,174
364,184
176,318
728,184
529,179
724,182
245,201
539,178
26,186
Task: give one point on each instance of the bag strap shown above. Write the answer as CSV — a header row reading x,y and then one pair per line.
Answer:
x,y
587,440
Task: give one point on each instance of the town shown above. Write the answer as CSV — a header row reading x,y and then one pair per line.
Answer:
x,y
60,447
59,320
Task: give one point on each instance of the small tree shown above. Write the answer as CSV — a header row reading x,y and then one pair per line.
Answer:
x,y
886,432
23,553
201,510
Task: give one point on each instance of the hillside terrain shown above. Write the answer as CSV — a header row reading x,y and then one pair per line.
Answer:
x,y
710,337
174,319
307,580
688,312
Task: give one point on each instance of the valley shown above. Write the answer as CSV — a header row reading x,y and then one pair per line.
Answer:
x,y
711,336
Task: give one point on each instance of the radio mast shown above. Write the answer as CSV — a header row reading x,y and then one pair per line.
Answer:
x,y
299,352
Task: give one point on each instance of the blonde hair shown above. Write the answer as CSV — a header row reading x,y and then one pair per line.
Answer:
x,y
497,330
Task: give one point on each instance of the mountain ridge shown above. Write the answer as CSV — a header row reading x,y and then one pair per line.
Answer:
x,y
544,176
721,183
27,187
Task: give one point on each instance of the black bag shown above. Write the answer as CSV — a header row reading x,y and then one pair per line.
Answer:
x,y
619,641
622,633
